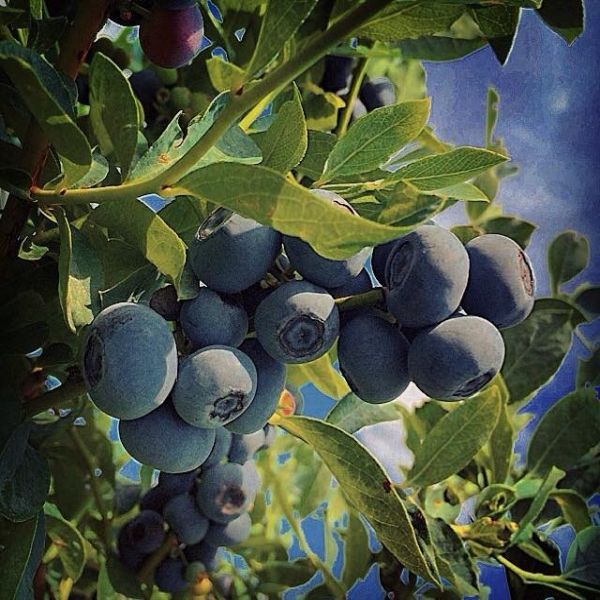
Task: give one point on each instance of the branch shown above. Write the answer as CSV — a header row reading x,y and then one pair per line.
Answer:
x,y
66,393
357,79
239,105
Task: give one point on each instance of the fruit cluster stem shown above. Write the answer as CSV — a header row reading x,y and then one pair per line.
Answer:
x,y
370,298
241,102
357,78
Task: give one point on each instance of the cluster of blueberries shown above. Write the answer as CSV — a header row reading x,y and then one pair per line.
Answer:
x,y
170,31
205,509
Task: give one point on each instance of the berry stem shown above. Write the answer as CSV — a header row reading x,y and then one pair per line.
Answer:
x,y
370,298
239,105
357,78
146,572
66,393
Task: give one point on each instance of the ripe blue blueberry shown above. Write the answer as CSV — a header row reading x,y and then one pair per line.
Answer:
x,y
173,484
170,576
220,449
203,553
211,319
297,323
231,255
426,276
215,385
229,534
129,360
243,447
316,268
129,554
270,383
379,259
225,492
501,283
359,284
186,520
456,358
338,70
373,357
145,532
163,440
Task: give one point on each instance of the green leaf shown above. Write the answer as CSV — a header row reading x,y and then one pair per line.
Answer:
x,y
526,524
573,507
269,197
587,300
456,438
284,144
583,558
281,20
69,542
320,144
224,75
450,168
568,255
184,216
97,173
366,487
80,275
498,24
22,547
566,432
23,323
116,582
403,20
465,233
138,225
588,372
565,17
501,447
373,138
439,48
536,347
46,95
113,111
321,374
516,229
463,191
351,413
356,558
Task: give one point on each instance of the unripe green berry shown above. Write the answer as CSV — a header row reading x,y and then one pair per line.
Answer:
x,y
180,97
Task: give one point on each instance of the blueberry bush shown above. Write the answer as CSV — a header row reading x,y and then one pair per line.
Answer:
x,y
206,206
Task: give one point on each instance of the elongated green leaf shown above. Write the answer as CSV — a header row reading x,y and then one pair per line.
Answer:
x,y
565,17
587,300
372,139
516,229
22,547
367,488
321,374
320,144
113,111
284,144
139,226
573,507
499,25
80,275
351,413
568,255
501,447
47,96
456,438
403,20
270,198
224,75
536,347
184,215
439,48
583,559
568,430
356,559
68,540
588,372
526,524
463,191
450,168
281,20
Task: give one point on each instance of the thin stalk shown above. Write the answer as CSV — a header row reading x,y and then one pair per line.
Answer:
x,y
150,564
370,298
357,78
240,104
91,467
66,393
336,588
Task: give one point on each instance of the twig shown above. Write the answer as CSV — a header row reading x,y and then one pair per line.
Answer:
x,y
357,79
68,391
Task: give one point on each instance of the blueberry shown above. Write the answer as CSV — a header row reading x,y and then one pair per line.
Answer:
x,y
426,276
379,259
129,360
173,484
186,520
215,385
195,570
220,449
154,499
316,268
243,447
211,319
297,323
165,441
170,576
377,93
203,553
456,358
145,531
337,73
146,85
270,382
251,297
229,534
225,492
231,256
165,302
129,555
501,283
373,357
171,38
359,284
126,497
